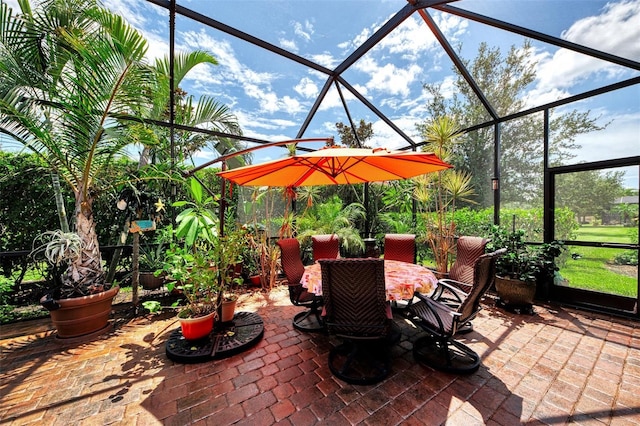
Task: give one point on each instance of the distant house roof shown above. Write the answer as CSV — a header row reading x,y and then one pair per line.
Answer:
x,y
629,199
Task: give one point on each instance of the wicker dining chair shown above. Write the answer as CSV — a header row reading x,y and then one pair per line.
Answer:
x,y
457,284
291,262
400,247
438,349
325,246
356,311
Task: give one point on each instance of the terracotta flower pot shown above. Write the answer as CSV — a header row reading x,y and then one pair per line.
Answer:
x,y
83,316
197,328
149,281
228,310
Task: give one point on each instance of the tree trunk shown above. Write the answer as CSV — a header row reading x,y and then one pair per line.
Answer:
x,y
85,275
60,208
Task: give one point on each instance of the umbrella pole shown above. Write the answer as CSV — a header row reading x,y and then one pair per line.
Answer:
x,y
223,200
367,224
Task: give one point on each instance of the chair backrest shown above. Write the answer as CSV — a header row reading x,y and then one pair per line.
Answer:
x,y
325,246
468,250
354,297
485,271
291,260
400,247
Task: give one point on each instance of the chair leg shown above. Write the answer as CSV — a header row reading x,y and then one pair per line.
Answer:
x,y
465,328
309,320
446,355
360,363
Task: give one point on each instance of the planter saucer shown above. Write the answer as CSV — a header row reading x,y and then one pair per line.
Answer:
x,y
227,339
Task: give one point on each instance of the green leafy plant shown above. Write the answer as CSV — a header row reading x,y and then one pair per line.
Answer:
x,y
522,261
197,222
152,257
200,262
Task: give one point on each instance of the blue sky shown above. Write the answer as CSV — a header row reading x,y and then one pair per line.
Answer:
x,y
271,96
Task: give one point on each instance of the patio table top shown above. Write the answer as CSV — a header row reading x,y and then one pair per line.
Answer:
x,y
401,279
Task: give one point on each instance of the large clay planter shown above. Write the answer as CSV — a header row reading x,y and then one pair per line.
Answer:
x,y
515,292
228,309
149,281
197,328
83,316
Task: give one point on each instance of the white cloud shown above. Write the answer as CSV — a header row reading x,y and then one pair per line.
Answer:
x,y
306,88
385,136
388,78
325,59
409,40
332,98
289,45
304,30
615,31
231,72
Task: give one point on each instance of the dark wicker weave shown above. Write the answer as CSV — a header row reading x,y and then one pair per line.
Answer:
x,y
468,250
459,282
325,246
357,311
400,247
293,269
441,322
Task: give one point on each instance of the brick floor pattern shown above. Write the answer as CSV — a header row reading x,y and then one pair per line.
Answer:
x,y
559,366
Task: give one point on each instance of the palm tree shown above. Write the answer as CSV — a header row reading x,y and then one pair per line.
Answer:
x,y
437,193
206,112
68,68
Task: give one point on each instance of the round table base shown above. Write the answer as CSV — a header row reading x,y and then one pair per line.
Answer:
x,y
225,340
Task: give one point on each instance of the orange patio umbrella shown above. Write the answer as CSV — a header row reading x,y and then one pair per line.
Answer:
x,y
336,165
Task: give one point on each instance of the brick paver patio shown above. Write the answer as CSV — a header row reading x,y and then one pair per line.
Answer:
x,y
559,366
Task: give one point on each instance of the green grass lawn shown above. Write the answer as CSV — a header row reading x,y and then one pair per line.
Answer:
x,y
594,269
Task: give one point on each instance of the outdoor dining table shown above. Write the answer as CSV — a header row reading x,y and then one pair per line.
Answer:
x,y
402,279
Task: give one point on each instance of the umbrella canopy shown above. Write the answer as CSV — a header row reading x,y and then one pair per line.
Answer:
x,y
337,165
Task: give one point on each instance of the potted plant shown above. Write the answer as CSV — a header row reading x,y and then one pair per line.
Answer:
x,y
251,257
201,262
151,262
228,254
76,75
437,193
193,274
523,266
77,307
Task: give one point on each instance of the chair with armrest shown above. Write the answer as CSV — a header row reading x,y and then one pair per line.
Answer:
x,y
325,246
453,289
438,349
356,311
291,262
400,247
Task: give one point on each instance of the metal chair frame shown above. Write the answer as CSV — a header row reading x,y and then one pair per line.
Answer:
x,y
438,349
293,268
